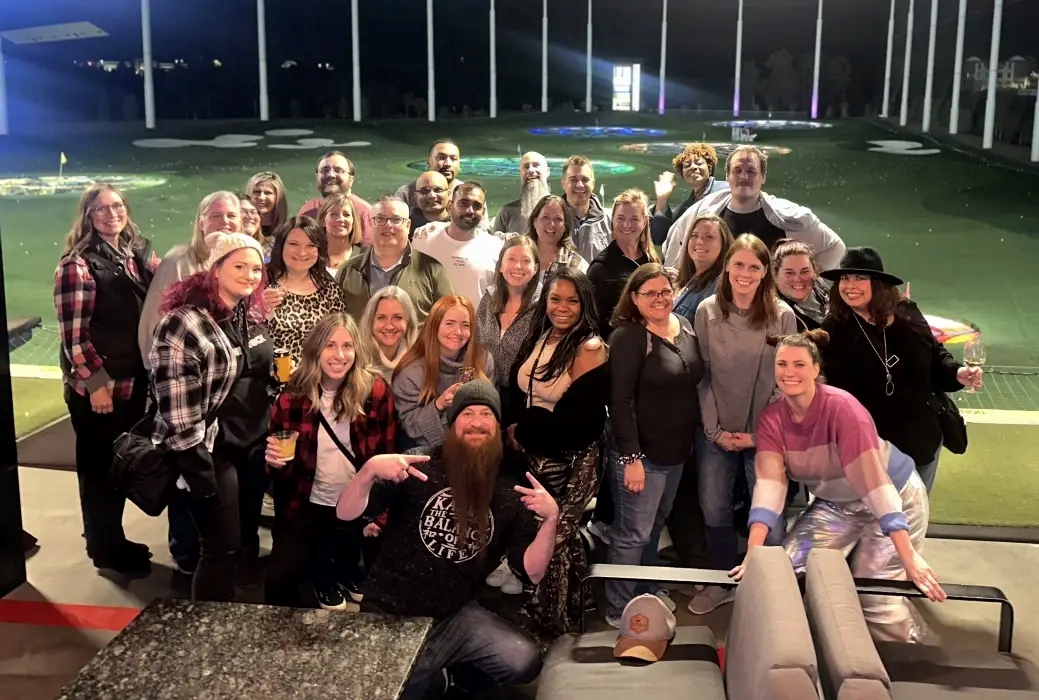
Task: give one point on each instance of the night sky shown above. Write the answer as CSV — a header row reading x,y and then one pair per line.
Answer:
x,y
393,46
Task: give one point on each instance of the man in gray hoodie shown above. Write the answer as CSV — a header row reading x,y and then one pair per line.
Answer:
x,y
589,221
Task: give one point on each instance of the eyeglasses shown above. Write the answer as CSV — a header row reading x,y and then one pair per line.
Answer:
x,y
338,171
116,208
429,190
391,220
662,294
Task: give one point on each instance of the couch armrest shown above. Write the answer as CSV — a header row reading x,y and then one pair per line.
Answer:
x,y
954,591
848,659
768,651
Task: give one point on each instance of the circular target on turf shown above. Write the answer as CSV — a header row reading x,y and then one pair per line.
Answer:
x,y
597,132
772,124
508,166
673,148
47,185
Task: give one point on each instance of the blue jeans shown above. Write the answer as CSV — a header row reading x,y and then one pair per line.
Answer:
x,y
637,522
479,649
929,471
716,478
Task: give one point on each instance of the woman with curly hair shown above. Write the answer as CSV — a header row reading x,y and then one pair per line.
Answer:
x,y
695,164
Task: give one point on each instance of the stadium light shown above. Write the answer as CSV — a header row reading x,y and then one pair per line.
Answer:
x,y
739,59
588,64
818,60
957,70
494,66
544,56
42,34
663,58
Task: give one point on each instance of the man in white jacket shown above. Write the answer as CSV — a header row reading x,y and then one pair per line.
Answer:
x,y
746,209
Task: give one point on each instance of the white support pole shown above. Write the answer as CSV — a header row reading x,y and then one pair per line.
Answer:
x,y
494,67
663,59
739,62
929,82
1035,127
993,70
588,64
261,44
431,89
149,84
818,60
544,55
957,70
4,126
355,50
886,107
903,118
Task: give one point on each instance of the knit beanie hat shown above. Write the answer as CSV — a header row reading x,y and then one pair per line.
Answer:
x,y
478,392
222,244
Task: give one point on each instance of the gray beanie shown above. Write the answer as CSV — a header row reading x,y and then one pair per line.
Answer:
x,y
478,392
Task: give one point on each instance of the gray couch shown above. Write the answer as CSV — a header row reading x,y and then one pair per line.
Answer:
x,y
768,651
853,667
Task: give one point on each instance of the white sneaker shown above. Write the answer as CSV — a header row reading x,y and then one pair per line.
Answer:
x,y
512,585
498,576
665,596
711,598
690,591
268,505
599,530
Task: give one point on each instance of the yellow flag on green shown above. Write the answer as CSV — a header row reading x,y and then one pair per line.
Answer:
x,y
64,160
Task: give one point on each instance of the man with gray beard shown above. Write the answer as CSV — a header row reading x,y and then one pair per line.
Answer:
x,y
513,217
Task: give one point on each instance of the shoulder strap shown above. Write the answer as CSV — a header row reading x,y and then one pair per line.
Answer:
x,y
335,438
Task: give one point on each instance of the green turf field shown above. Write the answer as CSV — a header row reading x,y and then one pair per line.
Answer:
x,y
964,233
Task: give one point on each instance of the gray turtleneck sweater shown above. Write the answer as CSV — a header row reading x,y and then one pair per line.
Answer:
x,y
422,422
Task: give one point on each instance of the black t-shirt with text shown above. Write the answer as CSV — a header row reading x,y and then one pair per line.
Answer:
x,y
422,569
753,222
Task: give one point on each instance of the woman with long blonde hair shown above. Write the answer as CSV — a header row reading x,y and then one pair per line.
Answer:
x,y
631,247
337,215
389,325
268,194
430,372
99,290
343,414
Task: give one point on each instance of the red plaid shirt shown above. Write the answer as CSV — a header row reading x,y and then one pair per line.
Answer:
x,y
75,293
372,434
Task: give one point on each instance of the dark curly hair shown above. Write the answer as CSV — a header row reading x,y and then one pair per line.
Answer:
x,y
694,150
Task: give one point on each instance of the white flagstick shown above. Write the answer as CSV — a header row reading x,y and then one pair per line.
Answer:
x,y
602,192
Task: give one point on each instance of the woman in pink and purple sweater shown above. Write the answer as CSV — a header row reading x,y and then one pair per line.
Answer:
x,y
868,496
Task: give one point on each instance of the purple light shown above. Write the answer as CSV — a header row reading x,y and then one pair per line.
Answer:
x,y
736,105
815,105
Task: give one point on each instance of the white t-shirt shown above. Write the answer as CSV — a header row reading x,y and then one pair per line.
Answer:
x,y
334,470
470,265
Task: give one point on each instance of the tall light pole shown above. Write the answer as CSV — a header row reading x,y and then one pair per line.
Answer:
x,y
355,50
261,43
149,81
739,62
903,118
957,70
544,55
929,82
885,108
663,59
993,69
588,64
431,89
494,66
818,60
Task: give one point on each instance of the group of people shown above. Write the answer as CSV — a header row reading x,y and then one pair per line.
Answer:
x,y
436,401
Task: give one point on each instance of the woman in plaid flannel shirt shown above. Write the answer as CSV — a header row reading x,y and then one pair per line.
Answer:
x,y
99,289
342,411
205,346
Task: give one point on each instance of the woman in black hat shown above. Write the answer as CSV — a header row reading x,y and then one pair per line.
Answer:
x,y
882,351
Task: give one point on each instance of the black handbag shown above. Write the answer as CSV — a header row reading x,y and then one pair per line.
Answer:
x,y
141,470
954,428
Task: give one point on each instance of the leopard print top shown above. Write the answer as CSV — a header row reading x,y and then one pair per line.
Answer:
x,y
298,313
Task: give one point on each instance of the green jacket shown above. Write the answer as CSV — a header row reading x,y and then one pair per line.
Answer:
x,y
420,275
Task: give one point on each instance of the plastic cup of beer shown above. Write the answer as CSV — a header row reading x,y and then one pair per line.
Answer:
x,y
283,365
286,443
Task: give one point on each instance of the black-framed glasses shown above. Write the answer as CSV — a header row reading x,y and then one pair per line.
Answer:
x,y
391,220
662,294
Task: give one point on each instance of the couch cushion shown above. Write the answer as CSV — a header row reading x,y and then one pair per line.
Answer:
x,y
768,652
842,640
927,672
582,666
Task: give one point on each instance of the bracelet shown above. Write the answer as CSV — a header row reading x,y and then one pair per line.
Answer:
x,y
630,459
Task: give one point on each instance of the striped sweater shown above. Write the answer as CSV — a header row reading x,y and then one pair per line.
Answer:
x,y
836,452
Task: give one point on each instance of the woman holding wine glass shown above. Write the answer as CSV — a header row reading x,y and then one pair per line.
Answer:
x,y
883,353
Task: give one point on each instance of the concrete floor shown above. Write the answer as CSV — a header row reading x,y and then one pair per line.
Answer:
x,y
37,660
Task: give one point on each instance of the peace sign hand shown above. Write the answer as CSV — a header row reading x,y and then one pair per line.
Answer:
x,y
538,500
395,468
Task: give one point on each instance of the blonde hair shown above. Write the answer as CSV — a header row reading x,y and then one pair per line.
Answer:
x,y
197,249
372,307
78,237
338,202
281,205
356,387
637,198
426,348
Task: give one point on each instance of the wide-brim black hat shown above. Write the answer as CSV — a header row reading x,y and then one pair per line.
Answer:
x,y
861,261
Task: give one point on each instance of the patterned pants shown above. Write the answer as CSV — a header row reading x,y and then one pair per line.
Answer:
x,y
852,528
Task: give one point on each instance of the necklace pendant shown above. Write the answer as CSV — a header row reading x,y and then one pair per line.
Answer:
x,y
889,387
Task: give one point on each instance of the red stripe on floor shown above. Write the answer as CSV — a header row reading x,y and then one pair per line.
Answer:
x,y
84,617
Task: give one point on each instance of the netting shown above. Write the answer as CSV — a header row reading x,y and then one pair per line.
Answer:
x,y
41,351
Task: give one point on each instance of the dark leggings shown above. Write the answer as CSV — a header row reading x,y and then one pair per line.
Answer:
x,y
219,528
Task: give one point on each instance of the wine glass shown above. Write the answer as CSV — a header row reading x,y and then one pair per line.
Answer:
x,y
973,356
466,375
